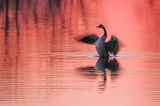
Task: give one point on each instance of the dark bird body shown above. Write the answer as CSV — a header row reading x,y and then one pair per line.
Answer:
x,y
103,48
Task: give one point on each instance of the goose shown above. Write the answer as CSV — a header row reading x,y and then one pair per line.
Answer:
x,y
104,49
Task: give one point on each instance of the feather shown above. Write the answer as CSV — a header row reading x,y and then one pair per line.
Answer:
x,y
112,45
89,39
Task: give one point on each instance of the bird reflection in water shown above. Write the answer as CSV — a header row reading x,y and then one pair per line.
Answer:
x,y
107,68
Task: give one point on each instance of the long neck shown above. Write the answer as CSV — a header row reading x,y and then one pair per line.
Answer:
x,y
105,32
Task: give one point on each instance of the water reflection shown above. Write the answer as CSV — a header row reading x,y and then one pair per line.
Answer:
x,y
107,68
52,18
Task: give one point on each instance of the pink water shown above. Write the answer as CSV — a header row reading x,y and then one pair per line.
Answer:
x,y
42,64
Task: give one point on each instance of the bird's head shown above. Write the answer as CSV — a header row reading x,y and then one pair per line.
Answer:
x,y
100,26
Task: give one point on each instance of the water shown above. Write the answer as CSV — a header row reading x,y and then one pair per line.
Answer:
x,y
41,63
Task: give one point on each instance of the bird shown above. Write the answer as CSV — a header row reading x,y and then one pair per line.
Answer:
x,y
104,49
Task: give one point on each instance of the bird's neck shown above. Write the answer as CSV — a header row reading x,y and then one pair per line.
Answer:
x,y
105,32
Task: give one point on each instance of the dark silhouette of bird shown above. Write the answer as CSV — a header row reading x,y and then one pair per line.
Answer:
x,y
102,67
104,49
102,64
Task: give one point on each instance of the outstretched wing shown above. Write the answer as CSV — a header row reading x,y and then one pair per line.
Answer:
x,y
112,45
89,39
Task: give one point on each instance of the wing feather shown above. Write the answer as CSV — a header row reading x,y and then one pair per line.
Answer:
x,y
89,39
112,45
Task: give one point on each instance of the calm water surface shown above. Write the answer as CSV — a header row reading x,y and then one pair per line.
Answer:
x,y
42,64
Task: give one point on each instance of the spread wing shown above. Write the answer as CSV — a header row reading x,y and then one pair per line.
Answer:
x,y
89,39
112,45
